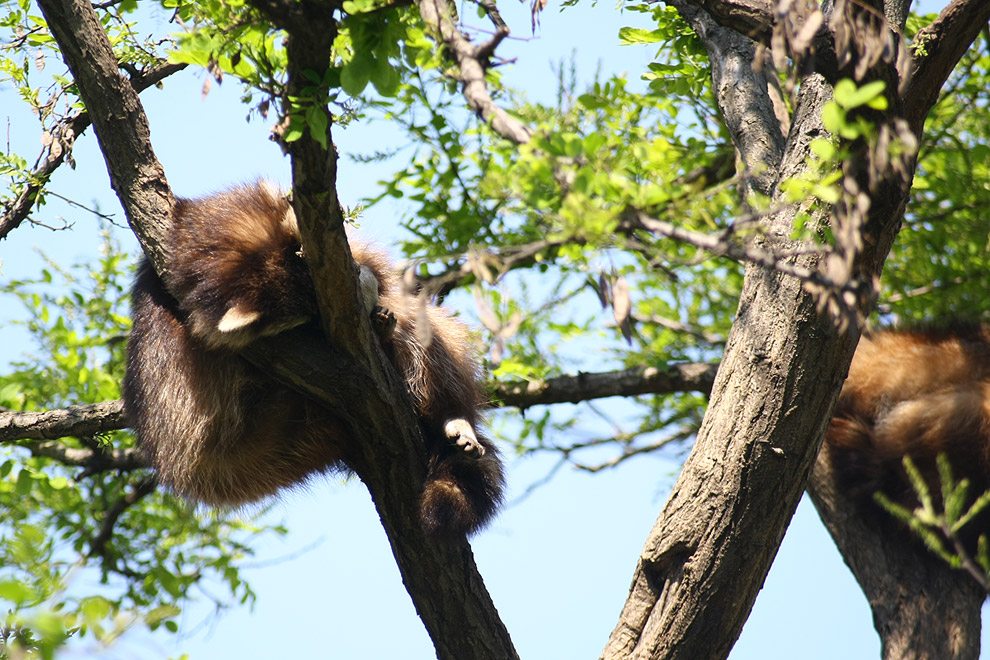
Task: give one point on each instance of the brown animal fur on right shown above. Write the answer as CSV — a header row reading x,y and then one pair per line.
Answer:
x,y
919,393
220,431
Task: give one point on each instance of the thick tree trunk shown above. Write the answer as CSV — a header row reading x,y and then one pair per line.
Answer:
x,y
922,608
709,552
351,376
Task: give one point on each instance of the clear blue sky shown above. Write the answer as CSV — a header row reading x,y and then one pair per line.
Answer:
x,y
558,563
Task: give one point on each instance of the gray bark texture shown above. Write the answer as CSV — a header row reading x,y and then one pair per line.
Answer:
x,y
711,548
922,608
353,376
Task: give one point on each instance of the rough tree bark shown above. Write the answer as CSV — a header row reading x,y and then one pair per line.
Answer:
x,y
713,544
351,375
709,552
922,608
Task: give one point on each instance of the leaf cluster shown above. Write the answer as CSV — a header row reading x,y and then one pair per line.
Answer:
x,y
939,267
942,522
542,226
65,525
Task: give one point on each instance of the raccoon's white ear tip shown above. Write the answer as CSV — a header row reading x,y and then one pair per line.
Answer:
x,y
237,317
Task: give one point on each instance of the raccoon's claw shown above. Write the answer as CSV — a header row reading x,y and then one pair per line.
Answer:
x,y
383,321
459,431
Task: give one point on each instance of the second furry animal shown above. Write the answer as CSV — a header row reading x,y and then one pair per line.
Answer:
x,y
220,431
916,392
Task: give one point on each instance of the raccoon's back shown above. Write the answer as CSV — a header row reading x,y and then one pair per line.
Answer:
x,y
214,428
237,267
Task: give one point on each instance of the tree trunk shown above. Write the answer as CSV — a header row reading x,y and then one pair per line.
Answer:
x,y
712,546
922,608
351,375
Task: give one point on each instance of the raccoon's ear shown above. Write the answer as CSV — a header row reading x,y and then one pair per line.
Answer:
x,y
368,284
237,317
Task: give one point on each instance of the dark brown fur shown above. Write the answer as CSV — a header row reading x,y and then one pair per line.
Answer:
x,y
914,393
220,431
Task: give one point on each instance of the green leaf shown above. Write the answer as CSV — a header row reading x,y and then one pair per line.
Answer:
x,y
629,36
823,148
16,592
834,118
356,74
317,121
160,614
385,77
25,482
295,129
849,96
95,608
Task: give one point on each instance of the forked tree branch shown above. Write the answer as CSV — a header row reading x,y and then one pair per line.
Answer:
x,y
472,61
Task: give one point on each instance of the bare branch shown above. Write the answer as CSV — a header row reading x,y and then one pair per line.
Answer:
x,y
85,420
677,326
63,137
725,245
694,377
487,265
492,10
633,451
472,62
109,416
94,461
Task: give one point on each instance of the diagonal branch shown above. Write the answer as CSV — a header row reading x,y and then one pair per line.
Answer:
x,y
98,544
937,49
472,62
726,245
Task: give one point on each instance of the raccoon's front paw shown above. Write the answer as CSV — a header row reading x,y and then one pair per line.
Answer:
x,y
383,321
459,432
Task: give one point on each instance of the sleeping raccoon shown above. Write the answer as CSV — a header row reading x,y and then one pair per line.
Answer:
x,y
222,432
914,393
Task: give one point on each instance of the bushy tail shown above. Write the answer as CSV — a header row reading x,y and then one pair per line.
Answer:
x,y
463,491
